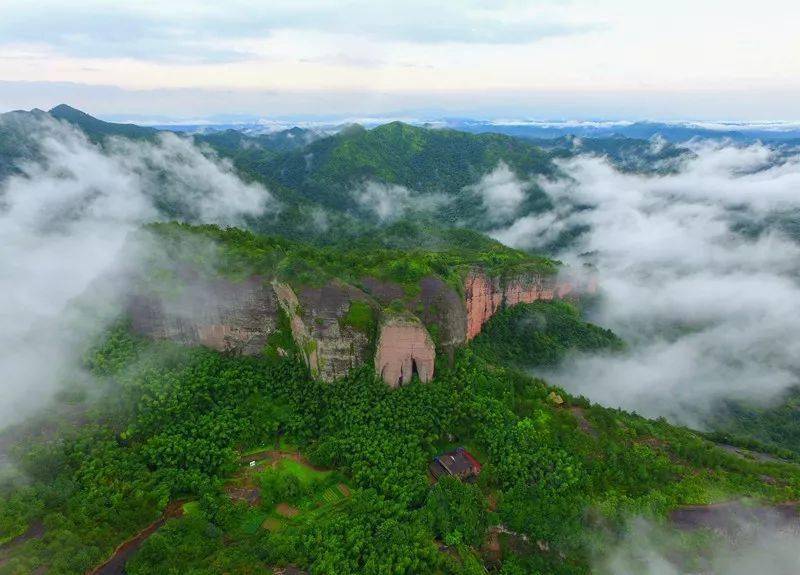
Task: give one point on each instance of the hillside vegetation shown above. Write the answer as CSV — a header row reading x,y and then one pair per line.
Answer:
x,y
157,425
214,462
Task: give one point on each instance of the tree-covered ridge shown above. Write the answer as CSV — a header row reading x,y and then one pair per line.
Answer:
x,y
776,425
98,129
347,184
170,424
420,159
238,253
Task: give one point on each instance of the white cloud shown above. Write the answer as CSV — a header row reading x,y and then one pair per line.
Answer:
x,y
387,201
501,192
767,547
63,223
390,202
709,312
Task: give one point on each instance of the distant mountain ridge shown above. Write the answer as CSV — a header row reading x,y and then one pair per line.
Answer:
x,y
357,178
95,128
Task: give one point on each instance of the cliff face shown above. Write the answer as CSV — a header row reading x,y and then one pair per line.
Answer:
x,y
404,347
484,295
217,313
240,316
318,316
441,306
333,326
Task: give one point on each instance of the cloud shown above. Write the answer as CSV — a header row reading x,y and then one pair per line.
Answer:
x,y
63,223
501,192
769,547
390,202
696,273
196,31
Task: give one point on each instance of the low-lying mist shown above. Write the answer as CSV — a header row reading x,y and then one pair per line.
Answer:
x,y
64,219
767,548
698,274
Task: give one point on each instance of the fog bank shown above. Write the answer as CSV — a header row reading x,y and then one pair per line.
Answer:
x,y
64,219
698,273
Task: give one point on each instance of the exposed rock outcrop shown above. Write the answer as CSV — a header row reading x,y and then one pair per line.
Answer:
x,y
404,347
333,326
215,312
484,295
383,291
240,316
318,317
442,308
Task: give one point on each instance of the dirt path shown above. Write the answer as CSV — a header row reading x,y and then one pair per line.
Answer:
x,y
115,565
35,531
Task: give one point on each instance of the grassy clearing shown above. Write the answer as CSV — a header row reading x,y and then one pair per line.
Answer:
x,y
191,508
292,491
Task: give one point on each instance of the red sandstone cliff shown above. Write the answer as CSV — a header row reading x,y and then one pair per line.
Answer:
x,y
404,347
484,294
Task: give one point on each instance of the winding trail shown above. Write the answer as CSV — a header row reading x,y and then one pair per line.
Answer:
x,y
35,531
115,565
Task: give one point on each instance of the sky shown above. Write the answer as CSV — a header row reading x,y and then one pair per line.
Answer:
x,y
681,59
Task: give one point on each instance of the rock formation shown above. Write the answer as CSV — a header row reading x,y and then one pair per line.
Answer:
x,y
442,308
240,316
484,295
330,346
404,347
215,312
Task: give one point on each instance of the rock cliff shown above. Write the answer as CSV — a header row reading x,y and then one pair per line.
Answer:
x,y
443,310
404,348
334,326
217,313
485,294
331,344
239,317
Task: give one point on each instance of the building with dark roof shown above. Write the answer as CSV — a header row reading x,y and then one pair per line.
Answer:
x,y
458,463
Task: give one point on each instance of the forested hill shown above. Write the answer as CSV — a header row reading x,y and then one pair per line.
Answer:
x,y
420,159
347,183
339,481
97,129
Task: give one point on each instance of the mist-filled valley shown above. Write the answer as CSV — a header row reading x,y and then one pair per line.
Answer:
x,y
239,351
